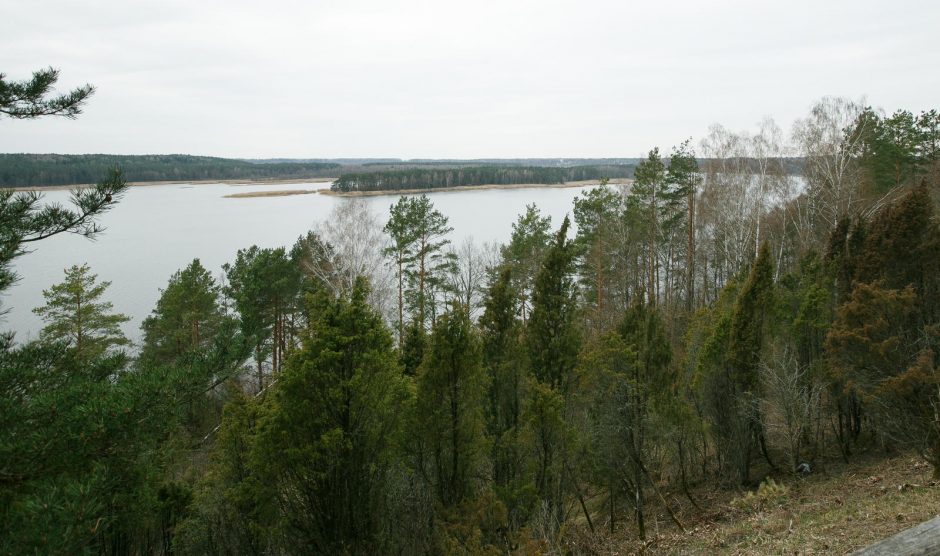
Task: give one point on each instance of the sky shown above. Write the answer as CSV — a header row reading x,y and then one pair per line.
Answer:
x,y
442,79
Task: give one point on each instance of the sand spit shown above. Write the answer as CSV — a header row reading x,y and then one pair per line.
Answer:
x,y
584,183
283,193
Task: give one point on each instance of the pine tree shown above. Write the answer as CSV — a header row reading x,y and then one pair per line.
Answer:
x,y
186,318
265,285
684,179
418,232
76,315
530,237
600,214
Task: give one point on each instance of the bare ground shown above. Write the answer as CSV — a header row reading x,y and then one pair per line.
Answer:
x,y
836,510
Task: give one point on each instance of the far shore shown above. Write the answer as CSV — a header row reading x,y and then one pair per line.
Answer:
x,y
584,183
326,191
282,193
178,182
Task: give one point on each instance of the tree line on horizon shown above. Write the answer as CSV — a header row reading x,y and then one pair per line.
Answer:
x,y
424,178
376,389
38,170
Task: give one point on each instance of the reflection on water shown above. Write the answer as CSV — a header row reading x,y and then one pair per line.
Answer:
x,y
156,230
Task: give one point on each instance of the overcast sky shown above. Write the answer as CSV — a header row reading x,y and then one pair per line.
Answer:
x,y
440,79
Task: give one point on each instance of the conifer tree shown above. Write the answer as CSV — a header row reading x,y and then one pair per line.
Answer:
x,y
452,392
412,348
530,237
265,285
186,318
600,214
552,335
683,176
328,440
633,377
503,357
656,200
419,234
76,315
552,343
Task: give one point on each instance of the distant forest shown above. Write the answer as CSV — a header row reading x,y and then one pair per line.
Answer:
x,y
37,170
365,174
424,178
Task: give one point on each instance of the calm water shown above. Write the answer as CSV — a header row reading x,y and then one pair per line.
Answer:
x,y
157,230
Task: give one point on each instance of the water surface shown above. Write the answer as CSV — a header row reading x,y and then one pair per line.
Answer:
x,y
157,230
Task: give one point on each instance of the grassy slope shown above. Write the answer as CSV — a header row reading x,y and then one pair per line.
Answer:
x,y
834,511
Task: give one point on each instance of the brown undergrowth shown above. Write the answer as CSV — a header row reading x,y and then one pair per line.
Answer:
x,y
836,510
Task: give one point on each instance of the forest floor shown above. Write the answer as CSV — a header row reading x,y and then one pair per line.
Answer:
x,y
835,510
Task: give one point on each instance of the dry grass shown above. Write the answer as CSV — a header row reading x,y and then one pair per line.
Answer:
x,y
835,511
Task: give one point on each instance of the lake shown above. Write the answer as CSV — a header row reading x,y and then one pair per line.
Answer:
x,y
156,230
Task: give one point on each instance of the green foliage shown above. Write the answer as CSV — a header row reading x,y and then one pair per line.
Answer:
x,y
187,316
83,449
418,232
632,380
39,170
452,392
600,213
528,242
503,358
326,446
746,335
412,348
422,178
28,99
265,285
803,307
729,364
552,337
899,148
656,198
25,219
232,511
76,316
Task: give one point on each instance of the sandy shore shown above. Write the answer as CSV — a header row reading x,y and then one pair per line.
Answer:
x,y
584,183
190,182
325,191
283,193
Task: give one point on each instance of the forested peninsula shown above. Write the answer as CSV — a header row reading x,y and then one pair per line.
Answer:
x,y
424,178
39,170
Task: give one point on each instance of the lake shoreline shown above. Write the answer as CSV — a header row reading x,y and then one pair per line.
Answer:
x,y
329,192
486,187
235,182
